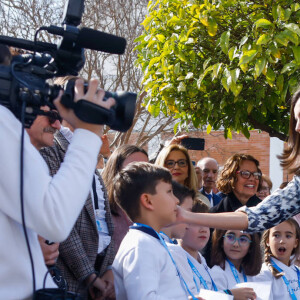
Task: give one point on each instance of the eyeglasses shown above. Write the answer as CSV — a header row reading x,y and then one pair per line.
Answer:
x,y
170,164
247,174
264,189
242,240
52,115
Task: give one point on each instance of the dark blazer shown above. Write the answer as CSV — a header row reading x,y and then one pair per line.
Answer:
x,y
228,204
215,197
77,254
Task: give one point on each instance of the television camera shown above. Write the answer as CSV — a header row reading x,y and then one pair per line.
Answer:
x,y
24,86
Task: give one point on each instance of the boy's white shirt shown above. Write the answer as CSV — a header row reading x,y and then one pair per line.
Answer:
x,y
224,279
180,257
144,270
279,289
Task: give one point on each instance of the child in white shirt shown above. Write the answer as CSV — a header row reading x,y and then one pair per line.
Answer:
x,y
280,242
236,257
143,267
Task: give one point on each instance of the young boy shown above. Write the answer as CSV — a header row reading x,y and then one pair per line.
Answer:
x,y
185,197
194,240
143,268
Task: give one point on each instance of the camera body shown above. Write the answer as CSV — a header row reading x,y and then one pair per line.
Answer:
x,y
24,87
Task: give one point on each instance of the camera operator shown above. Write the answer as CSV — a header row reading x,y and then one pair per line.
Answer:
x,y
51,204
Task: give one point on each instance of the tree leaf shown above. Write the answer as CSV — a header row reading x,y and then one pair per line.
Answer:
x,y
263,23
212,26
247,56
232,53
235,74
259,66
293,27
243,40
189,75
216,70
280,82
208,129
270,76
154,109
288,67
160,37
205,64
224,41
236,89
263,39
296,51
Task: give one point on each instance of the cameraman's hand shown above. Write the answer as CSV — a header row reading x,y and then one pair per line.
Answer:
x,y
50,252
94,95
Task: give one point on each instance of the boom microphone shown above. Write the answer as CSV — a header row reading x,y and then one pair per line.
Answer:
x,y
90,38
101,41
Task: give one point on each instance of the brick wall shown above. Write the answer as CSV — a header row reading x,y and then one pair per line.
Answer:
x,y
217,147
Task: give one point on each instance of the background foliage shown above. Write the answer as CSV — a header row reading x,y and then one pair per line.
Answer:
x,y
226,63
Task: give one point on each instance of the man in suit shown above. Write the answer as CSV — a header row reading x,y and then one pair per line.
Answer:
x,y
88,247
209,168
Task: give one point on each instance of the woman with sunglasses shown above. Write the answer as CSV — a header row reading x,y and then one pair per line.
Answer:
x,y
276,208
176,158
236,258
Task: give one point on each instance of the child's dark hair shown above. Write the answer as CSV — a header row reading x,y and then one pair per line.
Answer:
x,y
133,181
251,263
199,206
181,192
267,251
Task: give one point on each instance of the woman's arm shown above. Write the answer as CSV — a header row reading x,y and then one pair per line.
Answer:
x,y
229,220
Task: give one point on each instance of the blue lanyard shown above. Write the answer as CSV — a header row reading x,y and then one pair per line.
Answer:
x,y
203,282
198,274
234,272
291,292
166,238
149,230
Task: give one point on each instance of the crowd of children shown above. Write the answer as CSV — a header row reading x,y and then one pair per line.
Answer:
x,y
158,261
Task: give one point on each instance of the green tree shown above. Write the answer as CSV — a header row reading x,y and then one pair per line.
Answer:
x,y
226,63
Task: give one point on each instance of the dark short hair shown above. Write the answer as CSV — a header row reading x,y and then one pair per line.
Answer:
x,y
133,181
181,192
199,206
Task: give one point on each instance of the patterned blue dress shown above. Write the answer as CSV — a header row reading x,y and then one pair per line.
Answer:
x,y
276,208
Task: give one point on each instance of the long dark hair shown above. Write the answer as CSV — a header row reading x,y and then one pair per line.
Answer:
x,y
289,157
113,167
251,263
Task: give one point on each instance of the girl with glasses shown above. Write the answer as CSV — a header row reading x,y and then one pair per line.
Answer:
x,y
281,245
236,258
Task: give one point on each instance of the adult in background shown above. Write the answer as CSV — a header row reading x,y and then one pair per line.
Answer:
x,y
265,188
239,181
45,198
177,159
209,168
88,248
118,160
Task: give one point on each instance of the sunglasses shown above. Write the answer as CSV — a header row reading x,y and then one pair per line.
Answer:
x,y
52,115
247,174
242,240
170,164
